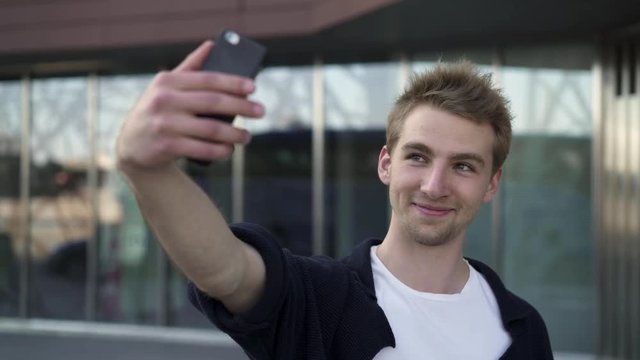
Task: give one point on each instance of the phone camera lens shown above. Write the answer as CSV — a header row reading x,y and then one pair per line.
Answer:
x,y
232,37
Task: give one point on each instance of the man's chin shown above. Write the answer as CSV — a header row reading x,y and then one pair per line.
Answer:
x,y
433,237
433,241
428,231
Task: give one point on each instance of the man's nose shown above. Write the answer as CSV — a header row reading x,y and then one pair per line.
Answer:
x,y
435,184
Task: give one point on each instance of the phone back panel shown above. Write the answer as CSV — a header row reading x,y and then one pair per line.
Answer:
x,y
235,54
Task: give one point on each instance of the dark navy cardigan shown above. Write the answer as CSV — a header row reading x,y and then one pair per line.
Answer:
x,y
319,308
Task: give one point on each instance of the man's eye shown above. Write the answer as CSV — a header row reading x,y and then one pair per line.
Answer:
x,y
415,157
465,167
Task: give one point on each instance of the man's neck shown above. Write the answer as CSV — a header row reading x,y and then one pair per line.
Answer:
x,y
437,269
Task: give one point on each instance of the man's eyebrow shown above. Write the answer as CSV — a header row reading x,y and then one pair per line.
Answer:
x,y
415,146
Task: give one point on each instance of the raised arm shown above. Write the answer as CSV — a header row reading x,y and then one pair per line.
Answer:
x,y
162,128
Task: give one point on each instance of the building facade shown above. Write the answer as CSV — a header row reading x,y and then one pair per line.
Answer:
x,y
81,275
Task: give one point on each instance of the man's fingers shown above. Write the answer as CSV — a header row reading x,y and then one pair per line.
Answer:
x,y
186,91
200,102
202,150
205,129
196,58
206,81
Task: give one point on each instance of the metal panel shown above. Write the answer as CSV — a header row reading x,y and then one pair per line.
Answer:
x,y
618,201
634,213
596,174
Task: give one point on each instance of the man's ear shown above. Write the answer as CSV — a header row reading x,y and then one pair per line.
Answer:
x,y
384,165
494,185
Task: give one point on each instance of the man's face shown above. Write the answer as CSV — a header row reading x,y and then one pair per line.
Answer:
x,y
439,174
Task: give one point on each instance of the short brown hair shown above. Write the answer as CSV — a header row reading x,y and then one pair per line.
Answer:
x,y
460,89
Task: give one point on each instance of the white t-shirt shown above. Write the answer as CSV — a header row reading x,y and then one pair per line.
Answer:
x,y
440,326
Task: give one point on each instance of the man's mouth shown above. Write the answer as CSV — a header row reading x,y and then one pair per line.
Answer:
x,y
433,210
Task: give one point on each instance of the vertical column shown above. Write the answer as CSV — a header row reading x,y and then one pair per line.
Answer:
x,y
318,170
612,233
92,176
634,213
607,263
621,206
162,268
597,189
237,179
25,204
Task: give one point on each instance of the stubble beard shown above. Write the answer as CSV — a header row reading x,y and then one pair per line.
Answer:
x,y
433,232
436,235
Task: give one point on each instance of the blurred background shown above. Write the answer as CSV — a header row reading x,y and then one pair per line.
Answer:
x,y
81,275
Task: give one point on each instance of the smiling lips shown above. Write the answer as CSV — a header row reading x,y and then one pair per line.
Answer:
x,y
431,210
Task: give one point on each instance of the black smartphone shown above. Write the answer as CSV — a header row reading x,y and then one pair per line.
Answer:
x,y
233,54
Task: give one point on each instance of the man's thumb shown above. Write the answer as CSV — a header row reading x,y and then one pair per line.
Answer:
x,y
195,59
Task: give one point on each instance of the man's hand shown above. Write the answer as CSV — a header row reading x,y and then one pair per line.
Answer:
x,y
163,126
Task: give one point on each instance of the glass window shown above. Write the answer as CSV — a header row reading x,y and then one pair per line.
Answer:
x,y
358,99
61,216
277,185
128,257
546,200
131,279
481,57
10,124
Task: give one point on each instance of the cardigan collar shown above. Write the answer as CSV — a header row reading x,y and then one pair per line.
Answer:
x,y
512,308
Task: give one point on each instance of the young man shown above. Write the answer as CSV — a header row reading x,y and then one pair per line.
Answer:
x,y
412,295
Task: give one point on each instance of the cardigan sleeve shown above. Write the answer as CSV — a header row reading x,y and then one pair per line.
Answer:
x,y
301,313
298,310
256,330
275,287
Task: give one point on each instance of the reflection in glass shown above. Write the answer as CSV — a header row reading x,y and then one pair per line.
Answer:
x,y
547,198
10,123
61,216
128,281
358,99
278,191
549,101
480,57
